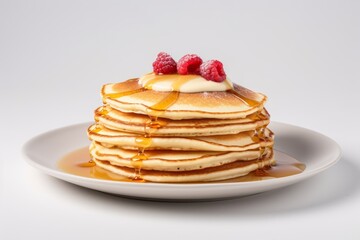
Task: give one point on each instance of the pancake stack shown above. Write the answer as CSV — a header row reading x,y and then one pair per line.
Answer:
x,y
175,136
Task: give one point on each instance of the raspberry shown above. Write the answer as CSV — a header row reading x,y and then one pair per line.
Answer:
x,y
164,64
213,70
189,64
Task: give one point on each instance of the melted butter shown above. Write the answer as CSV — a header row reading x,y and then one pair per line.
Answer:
x,y
228,84
73,163
175,81
182,83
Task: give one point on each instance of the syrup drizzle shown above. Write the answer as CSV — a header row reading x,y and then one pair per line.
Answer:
x,y
154,111
245,99
259,133
97,129
122,94
259,136
103,111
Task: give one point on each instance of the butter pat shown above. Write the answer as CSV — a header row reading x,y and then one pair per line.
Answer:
x,y
183,83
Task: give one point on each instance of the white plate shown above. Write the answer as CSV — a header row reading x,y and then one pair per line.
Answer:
x,y
317,151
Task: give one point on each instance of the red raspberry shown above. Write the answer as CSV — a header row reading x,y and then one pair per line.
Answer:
x,y
189,64
213,70
164,64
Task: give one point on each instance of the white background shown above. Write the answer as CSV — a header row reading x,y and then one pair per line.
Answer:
x,y
55,55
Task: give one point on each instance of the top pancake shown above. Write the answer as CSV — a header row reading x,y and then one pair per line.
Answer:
x,y
129,96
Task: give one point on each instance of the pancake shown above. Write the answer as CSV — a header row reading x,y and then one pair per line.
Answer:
x,y
180,128
130,96
173,160
234,142
131,122
225,171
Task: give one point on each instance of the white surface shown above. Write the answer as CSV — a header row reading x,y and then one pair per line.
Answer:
x,y
54,56
315,150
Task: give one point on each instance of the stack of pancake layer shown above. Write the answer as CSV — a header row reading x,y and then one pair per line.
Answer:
x,y
174,136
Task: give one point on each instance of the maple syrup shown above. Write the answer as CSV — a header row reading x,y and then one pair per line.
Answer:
x,y
245,99
151,126
122,94
97,129
77,163
103,111
89,163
